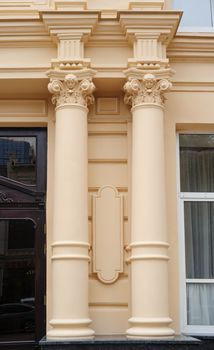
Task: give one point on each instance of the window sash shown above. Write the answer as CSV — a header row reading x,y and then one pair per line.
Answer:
x,y
203,330
191,329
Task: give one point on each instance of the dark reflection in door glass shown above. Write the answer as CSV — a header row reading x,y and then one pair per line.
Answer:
x,y
18,159
17,280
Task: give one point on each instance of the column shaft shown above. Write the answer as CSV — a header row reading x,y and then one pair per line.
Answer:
x,y
70,221
149,258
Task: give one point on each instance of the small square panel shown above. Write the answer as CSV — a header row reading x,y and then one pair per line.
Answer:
x,y
107,105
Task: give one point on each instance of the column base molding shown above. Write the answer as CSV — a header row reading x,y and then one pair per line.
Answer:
x,y
152,328
73,329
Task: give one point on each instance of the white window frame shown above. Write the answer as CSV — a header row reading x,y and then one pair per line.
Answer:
x,y
182,198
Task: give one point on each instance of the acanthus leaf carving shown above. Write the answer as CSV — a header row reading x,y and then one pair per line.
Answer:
x,y
147,90
72,91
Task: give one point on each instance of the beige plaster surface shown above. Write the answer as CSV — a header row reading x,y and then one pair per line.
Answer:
x,y
25,101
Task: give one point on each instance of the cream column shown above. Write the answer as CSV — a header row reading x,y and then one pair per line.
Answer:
x,y
70,218
149,259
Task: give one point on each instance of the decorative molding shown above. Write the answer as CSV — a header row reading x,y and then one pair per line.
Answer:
x,y
147,90
150,33
107,133
107,234
198,86
146,5
70,257
107,105
147,250
148,257
4,198
148,244
108,304
70,5
108,161
71,51
70,244
70,30
191,46
73,250
119,189
72,91
24,108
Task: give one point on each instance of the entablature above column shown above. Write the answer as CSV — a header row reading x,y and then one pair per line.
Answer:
x,y
85,4
106,40
70,30
150,32
146,5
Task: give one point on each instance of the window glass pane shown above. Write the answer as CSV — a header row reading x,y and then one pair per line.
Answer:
x,y
199,239
17,280
197,163
18,159
200,304
197,13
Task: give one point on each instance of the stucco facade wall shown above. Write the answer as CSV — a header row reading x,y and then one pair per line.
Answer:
x,y
25,101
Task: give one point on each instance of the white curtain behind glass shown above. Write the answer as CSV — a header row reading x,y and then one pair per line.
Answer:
x,y
197,175
197,170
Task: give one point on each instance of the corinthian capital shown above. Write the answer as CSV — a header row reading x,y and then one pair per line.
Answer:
x,y
72,91
147,90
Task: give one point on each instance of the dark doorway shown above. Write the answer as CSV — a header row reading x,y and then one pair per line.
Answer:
x,y
22,237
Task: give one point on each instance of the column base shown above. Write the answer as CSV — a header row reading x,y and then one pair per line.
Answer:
x,y
150,328
70,330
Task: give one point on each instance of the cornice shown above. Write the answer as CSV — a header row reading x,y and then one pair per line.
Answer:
x,y
63,18
36,28
21,26
30,41
24,32
26,27
23,73
150,32
191,47
163,22
17,13
108,33
189,86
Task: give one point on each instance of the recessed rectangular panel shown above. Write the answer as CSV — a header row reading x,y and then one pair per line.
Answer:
x,y
108,234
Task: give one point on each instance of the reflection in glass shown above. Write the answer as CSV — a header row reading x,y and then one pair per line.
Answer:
x,y
197,13
17,280
197,163
18,159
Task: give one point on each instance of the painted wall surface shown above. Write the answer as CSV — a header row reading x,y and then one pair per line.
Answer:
x,y
25,101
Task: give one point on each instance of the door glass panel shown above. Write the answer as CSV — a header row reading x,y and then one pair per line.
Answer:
x,y
18,159
17,280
